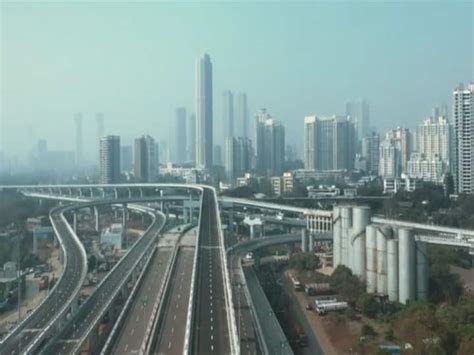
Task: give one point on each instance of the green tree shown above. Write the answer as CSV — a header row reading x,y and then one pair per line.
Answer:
x,y
368,305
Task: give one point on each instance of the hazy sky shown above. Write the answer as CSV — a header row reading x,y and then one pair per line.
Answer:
x,y
135,62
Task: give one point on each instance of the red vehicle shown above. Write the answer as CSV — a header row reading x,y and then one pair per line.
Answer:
x,y
300,336
44,283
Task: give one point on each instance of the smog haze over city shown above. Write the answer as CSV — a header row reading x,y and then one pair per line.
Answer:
x,y
135,63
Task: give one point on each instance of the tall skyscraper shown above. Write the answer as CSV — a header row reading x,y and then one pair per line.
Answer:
x,y
191,138
99,118
329,143
242,115
126,158
370,151
145,159
180,142
463,118
204,142
79,142
359,113
110,160
228,115
270,138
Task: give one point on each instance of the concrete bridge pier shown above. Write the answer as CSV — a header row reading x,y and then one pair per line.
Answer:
x,y
141,192
129,192
97,220
252,232
115,193
74,221
161,203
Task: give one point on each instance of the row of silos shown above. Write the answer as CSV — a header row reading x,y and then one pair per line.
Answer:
x,y
396,265
349,242
389,260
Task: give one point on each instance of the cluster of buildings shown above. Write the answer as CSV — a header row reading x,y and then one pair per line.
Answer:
x,y
334,146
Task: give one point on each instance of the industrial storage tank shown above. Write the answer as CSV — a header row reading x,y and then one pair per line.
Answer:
x,y
360,220
346,221
371,258
406,265
421,271
392,269
383,233
336,245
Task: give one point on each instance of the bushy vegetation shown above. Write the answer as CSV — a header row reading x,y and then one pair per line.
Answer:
x,y
304,261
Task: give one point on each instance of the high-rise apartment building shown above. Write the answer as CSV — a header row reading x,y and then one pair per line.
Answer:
x,y
79,142
390,159
270,141
329,143
359,113
145,159
433,149
402,138
204,142
433,138
109,159
238,157
180,142
242,115
191,138
370,151
463,120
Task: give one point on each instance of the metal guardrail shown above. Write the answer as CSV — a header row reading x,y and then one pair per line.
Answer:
x,y
234,337
190,312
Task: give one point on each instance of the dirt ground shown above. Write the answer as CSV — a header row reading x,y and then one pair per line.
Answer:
x,y
32,297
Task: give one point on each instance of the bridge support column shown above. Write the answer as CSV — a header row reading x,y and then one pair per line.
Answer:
x,y
103,193
129,192
252,232
406,265
97,221
74,222
231,224
115,193
161,203
185,215
141,192
124,224
304,240
80,192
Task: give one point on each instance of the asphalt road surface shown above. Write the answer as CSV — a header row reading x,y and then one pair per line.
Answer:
x,y
133,330
171,332
211,332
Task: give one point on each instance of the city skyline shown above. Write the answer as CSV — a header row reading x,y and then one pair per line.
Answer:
x,y
155,108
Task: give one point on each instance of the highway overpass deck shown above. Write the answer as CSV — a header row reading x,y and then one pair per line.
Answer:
x,y
211,325
133,330
170,334
68,340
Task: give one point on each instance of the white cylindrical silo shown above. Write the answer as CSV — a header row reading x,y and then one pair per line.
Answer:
x,y
346,222
421,271
336,244
360,220
371,258
392,269
304,240
406,265
382,234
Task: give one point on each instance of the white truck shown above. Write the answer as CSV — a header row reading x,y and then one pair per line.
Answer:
x,y
325,308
